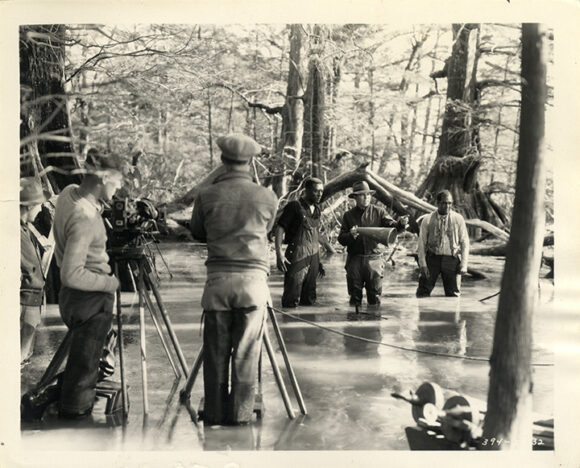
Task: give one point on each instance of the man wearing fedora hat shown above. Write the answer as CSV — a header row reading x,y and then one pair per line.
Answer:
x,y
87,285
32,278
364,262
233,216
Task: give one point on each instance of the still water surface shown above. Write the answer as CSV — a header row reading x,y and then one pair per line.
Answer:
x,y
346,382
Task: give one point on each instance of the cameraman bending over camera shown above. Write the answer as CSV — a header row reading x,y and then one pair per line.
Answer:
x,y
86,296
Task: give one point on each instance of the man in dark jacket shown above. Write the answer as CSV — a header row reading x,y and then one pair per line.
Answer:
x,y
233,216
298,226
31,275
364,262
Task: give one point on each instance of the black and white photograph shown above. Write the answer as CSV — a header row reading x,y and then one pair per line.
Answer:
x,y
252,236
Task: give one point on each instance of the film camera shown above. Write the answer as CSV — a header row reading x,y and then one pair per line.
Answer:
x,y
131,221
133,225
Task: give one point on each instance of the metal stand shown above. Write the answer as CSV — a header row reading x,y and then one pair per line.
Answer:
x,y
185,394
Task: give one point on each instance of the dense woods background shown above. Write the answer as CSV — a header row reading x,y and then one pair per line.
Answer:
x,y
426,107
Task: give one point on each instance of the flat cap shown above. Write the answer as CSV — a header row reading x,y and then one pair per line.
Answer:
x,y
238,148
31,192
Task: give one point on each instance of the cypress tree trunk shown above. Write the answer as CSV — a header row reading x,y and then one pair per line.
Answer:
x,y
292,112
314,105
45,127
458,158
509,405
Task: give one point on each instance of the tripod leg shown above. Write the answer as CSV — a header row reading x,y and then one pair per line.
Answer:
x,y
291,374
278,376
141,288
125,400
168,325
186,392
57,360
160,333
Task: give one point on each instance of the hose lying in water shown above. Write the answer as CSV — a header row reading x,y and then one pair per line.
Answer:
x,y
403,348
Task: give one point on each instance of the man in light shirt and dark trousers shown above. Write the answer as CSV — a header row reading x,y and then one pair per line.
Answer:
x,y
443,248
86,296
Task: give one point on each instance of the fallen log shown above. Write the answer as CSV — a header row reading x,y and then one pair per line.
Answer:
x,y
497,232
187,199
474,273
499,250
493,251
400,200
400,194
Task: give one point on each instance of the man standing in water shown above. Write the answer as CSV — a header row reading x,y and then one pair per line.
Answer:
x,y
364,262
298,226
443,248
86,296
233,216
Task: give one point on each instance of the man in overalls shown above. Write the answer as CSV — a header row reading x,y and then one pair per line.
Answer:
x,y
364,262
298,226
443,248
233,216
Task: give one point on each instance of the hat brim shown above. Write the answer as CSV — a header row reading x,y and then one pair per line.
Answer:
x,y
95,171
361,192
36,201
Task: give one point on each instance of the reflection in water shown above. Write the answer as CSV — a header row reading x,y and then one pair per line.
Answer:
x,y
288,433
231,437
442,328
346,383
312,335
369,328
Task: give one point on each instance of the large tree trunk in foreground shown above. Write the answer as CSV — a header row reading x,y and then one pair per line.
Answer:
x,y
458,157
509,401
45,126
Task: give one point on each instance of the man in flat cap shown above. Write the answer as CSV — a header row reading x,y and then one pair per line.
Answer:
x,y
32,278
233,216
364,262
443,248
298,227
86,295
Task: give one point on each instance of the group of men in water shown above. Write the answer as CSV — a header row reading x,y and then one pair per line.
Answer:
x,y
233,216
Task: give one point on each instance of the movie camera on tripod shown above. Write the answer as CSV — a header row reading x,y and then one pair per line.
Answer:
x,y
132,227
132,221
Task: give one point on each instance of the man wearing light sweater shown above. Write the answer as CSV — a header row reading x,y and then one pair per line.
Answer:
x,y
86,296
443,248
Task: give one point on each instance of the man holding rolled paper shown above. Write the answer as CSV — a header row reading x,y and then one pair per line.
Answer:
x,y
364,262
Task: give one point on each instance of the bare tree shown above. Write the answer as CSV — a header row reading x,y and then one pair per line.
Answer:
x,y
509,410
458,157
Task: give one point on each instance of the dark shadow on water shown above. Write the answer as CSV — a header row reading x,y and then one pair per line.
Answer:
x,y
371,331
